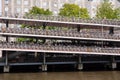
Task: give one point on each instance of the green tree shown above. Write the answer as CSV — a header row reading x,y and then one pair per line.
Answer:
x,y
117,13
47,12
83,13
106,10
36,10
73,10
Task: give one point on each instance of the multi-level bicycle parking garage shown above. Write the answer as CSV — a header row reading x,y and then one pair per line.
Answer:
x,y
59,40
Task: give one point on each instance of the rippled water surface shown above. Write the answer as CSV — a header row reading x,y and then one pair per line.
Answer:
x,y
82,75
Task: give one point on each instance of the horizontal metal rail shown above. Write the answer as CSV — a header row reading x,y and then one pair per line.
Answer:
x,y
58,37
63,20
71,49
20,64
58,34
89,62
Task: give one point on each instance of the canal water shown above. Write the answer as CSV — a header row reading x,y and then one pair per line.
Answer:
x,y
92,75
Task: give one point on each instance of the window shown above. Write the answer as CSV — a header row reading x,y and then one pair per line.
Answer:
x,y
25,2
26,10
6,1
18,2
44,4
37,3
55,12
55,5
6,8
61,5
18,10
6,13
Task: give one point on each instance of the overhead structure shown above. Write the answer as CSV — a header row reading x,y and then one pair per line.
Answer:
x,y
51,36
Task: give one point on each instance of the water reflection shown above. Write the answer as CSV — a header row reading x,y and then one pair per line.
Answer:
x,y
97,75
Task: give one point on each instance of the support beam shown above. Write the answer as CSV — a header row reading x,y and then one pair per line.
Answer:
x,y
44,25
80,65
78,28
111,30
44,66
36,54
6,58
113,63
7,25
1,53
6,69
6,66
36,40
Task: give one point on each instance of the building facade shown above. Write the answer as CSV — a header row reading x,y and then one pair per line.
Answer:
x,y
19,7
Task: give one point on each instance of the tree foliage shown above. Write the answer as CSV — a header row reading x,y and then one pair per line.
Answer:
x,y
117,13
73,10
106,10
36,10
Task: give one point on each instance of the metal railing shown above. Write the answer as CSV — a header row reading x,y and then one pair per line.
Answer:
x,y
92,33
68,19
56,47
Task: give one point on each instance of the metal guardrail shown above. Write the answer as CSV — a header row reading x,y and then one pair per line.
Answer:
x,y
64,33
68,19
47,47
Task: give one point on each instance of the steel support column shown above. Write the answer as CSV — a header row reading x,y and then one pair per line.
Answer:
x,y
113,63
44,66
44,27
80,65
111,30
78,28
6,66
7,25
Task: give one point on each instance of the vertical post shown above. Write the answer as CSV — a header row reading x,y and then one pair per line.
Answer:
x,y
6,66
6,58
44,27
113,64
36,54
44,66
78,28
80,65
7,25
111,30
1,53
102,32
